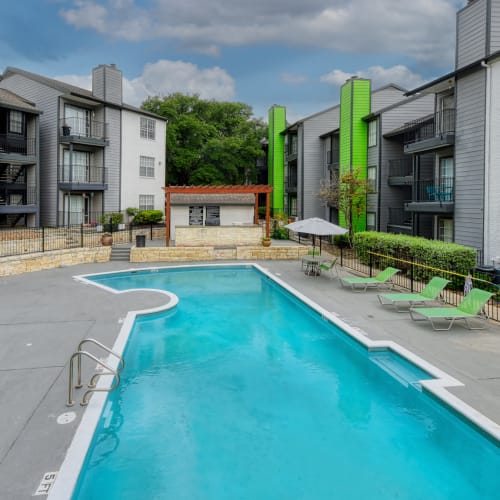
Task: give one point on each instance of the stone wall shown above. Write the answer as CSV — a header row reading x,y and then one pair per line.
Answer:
x,y
185,254
213,236
47,260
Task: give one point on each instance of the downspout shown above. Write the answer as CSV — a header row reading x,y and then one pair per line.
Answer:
x,y
487,162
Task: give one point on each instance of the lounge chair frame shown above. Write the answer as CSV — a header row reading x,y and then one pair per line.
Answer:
x,y
330,267
382,280
402,302
470,309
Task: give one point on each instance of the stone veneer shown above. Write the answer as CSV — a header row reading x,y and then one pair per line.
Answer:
x,y
48,260
184,254
212,236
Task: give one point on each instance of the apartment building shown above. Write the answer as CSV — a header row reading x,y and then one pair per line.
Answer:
x,y
19,166
431,155
334,141
454,151
96,154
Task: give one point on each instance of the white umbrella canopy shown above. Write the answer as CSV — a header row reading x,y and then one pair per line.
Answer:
x,y
316,227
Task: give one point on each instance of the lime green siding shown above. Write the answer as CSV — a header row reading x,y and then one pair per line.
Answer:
x,y
354,104
276,158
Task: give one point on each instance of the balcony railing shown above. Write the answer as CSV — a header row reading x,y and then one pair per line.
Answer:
x,y
82,128
399,217
332,157
8,197
17,145
81,174
439,124
400,168
432,191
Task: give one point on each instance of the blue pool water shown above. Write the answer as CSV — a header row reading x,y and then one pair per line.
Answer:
x,y
243,392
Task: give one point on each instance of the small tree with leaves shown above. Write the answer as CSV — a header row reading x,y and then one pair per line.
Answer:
x,y
347,193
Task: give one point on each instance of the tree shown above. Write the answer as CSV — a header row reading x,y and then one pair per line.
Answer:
x,y
347,193
208,142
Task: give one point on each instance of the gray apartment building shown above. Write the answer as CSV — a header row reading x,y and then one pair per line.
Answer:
x,y
83,171
19,165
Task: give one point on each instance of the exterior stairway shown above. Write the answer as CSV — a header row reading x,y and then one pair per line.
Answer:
x,y
120,252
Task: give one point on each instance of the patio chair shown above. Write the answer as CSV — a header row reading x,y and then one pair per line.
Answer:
x,y
471,308
430,293
330,267
383,279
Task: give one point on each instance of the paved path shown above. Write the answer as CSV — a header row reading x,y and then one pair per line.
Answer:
x,y
44,315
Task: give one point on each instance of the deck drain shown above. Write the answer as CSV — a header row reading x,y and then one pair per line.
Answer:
x,y
66,418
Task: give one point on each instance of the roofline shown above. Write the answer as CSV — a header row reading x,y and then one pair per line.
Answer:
x,y
69,89
458,72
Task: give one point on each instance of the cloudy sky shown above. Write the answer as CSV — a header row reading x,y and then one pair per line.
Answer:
x,y
261,52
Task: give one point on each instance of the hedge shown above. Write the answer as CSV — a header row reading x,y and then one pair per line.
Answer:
x,y
432,253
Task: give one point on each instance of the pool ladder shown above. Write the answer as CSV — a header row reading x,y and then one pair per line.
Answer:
x,y
93,381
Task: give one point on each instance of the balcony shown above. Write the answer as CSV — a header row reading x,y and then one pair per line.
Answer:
x,y
432,197
17,148
400,221
333,158
82,131
79,177
431,132
17,198
291,152
400,172
291,182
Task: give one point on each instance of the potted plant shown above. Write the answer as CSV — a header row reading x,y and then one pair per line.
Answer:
x,y
106,239
266,241
66,129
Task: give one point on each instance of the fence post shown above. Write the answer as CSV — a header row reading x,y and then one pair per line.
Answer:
x,y
371,264
81,234
43,238
111,225
341,256
411,274
151,232
130,233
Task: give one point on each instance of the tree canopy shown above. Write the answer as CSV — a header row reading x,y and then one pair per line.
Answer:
x,y
209,142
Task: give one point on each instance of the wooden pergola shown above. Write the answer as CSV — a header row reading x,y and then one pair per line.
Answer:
x,y
246,189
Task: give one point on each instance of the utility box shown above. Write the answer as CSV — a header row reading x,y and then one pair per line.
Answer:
x,y
140,240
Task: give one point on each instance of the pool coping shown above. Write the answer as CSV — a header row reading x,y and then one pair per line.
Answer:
x,y
69,472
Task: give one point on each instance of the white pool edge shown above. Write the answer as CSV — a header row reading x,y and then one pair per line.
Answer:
x,y
67,477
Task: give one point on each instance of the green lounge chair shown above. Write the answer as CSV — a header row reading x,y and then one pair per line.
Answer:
x,y
330,267
383,279
430,293
470,308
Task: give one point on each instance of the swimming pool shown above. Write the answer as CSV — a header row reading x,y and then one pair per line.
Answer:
x,y
263,396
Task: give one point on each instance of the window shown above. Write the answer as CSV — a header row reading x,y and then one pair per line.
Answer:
x,y
196,216
147,128
371,179
76,166
212,215
146,166
146,202
371,221
372,133
445,230
16,122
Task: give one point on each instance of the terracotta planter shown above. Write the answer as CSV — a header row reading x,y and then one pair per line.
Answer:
x,y
106,240
266,243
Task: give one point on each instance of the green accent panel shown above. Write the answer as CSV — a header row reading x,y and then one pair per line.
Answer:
x,y
355,103
276,157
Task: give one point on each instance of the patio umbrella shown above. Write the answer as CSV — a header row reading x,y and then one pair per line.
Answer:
x,y
316,227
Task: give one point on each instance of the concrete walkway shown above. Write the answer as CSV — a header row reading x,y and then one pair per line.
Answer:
x,y
45,314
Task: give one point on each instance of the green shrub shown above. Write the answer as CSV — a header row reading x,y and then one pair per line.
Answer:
x,y
132,211
116,218
437,255
148,217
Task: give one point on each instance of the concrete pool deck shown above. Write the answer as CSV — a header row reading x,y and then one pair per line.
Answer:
x,y
45,314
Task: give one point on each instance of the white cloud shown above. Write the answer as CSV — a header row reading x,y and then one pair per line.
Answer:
x,y
166,77
379,76
422,29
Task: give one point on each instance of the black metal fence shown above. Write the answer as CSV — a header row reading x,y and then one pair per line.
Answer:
x,y
415,275
22,241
